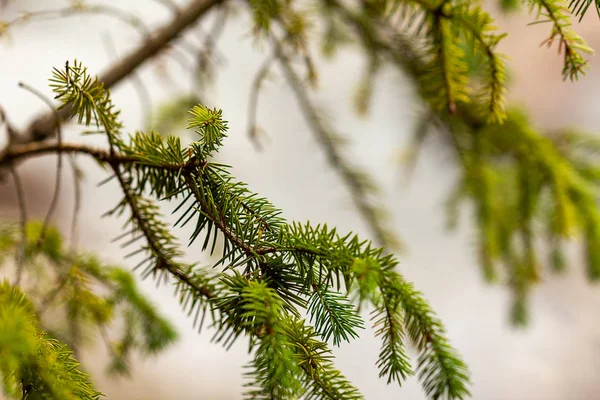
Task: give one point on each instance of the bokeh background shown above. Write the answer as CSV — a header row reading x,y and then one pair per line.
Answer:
x,y
556,357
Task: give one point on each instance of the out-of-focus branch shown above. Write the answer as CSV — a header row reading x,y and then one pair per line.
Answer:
x,y
22,221
44,126
77,9
20,152
257,84
54,201
355,180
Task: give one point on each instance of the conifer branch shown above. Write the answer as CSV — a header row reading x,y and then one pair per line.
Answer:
x,y
77,275
443,54
21,152
482,157
94,101
257,85
442,372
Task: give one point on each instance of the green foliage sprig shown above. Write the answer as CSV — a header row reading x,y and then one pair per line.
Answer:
x,y
34,365
76,295
270,269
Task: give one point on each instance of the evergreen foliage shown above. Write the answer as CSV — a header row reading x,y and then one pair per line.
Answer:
x,y
74,295
34,365
291,288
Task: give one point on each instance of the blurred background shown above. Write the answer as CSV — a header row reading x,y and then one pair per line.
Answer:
x,y
556,357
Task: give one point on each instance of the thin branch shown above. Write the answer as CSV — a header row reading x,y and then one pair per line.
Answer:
x,y
110,349
109,11
180,56
164,261
402,52
140,88
171,5
257,84
43,126
10,130
51,296
357,188
59,164
20,256
442,59
77,173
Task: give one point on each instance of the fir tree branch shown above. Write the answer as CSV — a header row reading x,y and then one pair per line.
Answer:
x,y
163,260
74,86
321,379
442,372
333,315
137,83
73,292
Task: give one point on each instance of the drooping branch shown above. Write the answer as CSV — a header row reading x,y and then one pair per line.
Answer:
x,y
353,179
